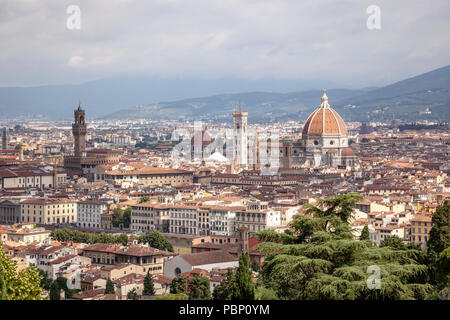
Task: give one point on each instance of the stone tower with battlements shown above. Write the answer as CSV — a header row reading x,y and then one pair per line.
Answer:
x,y
79,132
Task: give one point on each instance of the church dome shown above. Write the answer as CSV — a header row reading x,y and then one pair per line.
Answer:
x,y
324,120
348,152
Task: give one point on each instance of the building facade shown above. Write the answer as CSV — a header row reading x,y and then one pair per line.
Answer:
x,y
48,211
89,213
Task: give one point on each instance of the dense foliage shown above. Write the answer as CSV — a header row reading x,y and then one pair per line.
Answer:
x,y
121,217
322,261
173,296
224,290
23,285
239,285
88,237
178,285
156,240
198,288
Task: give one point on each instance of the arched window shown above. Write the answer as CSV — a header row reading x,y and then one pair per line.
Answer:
x,y
177,271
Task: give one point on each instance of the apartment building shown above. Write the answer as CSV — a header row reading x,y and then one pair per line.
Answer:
x,y
89,213
418,230
223,220
150,216
48,211
29,177
150,176
183,219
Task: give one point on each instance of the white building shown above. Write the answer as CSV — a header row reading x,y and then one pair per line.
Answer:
x,y
89,212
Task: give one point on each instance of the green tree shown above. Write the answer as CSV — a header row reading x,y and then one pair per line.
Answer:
x,y
132,294
149,287
127,217
198,288
325,262
54,291
46,282
443,268
244,288
439,238
117,217
173,296
23,285
224,290
109,287
255,265
393,242
440,232
156,240
144,199
263,293
365,234
178,285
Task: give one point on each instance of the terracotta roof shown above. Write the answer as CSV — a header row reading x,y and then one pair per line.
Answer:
x,y
324,120
210,257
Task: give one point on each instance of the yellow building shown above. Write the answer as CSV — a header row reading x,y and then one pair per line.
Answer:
x,y
48,211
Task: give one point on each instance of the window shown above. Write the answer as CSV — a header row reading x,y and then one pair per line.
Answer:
x,y
177,271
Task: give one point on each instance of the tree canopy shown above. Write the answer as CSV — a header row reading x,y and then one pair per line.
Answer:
x,y
178,285
22,285
88,237
323,261
155,239
198,288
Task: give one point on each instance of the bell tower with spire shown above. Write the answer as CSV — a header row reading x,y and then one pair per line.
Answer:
x,y
79,131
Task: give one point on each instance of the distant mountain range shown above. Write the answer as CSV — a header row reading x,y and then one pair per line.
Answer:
x,y
102,97
265,100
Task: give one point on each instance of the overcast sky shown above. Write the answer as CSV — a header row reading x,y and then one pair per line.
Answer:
x,y
252,39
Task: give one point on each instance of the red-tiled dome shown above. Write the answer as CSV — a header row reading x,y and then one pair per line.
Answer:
x,y
324,120
347,152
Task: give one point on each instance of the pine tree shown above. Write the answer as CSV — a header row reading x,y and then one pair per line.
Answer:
x,y
149,288
109,287
365,234
244,288
132,294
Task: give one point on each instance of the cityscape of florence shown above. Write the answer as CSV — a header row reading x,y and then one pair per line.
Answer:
x,y
237,158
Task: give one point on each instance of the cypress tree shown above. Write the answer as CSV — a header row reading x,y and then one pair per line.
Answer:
x,y
149,287
109,287
244,288
364,234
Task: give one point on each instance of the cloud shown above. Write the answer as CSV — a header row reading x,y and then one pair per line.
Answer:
x,y
75,62
285,39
